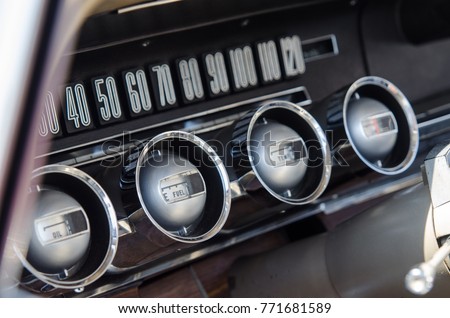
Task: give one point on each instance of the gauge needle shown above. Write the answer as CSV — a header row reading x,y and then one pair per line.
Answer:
x,y
420,278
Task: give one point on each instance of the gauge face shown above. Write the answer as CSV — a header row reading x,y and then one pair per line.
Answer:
x,y
182,186
173,190
287,152
372,127
379,125
61,226
279,156
61,233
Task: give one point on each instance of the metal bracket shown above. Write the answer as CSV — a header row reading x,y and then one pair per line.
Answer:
x,y
437,175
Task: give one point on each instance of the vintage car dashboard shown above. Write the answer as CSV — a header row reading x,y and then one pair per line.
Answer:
x,y
188,127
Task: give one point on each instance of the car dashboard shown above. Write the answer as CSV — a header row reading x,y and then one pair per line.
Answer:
x,y
185,130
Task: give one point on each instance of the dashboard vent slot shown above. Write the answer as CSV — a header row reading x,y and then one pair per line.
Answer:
x,y
320,48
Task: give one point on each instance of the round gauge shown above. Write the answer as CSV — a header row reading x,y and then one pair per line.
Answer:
x,y
380,125
283,148
73,233
183,186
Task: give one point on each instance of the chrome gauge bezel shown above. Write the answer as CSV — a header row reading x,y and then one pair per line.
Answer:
x,y
320,136
112,225
408,111
220,168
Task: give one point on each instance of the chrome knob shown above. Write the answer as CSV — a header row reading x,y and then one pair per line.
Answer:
x,y
420,278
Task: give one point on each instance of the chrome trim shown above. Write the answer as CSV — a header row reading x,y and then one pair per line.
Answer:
x,y
237,190
336,205
382,188
212,128
111,216
434,121
214,124
410,117
145,5
435,110
79,163
334,43
226,192
321,138
125,227
294,90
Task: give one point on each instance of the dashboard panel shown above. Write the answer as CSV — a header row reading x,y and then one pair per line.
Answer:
x,y
189,127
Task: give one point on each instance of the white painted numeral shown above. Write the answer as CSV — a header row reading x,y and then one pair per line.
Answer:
x,y
165,85
243,67
268,57
110,100
215,66
49,117
192,82
77,107
291,49
140,98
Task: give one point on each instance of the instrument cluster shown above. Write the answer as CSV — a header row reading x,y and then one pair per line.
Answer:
x,y
153,141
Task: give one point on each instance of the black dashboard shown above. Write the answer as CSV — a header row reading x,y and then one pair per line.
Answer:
x,y
187,127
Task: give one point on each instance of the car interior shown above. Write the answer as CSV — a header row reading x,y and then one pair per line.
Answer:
x,y
207,148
